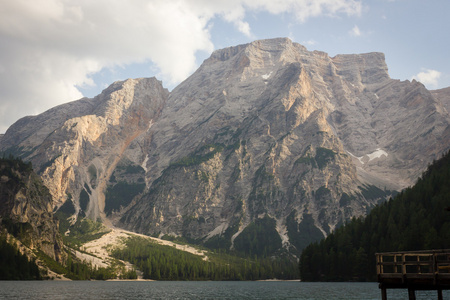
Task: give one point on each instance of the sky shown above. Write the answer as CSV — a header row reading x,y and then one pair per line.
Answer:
x,y
56,51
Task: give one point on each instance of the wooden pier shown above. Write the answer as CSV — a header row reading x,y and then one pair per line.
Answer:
x,y
414,270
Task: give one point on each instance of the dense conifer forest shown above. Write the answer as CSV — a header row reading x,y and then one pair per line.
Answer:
x,y
167,263
416,219
15,265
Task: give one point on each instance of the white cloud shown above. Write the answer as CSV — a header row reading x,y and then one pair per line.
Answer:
x,y
355,31
48,47
305,9
309,42
430,78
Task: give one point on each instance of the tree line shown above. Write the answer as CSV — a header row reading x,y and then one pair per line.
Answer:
x,y
418,218
14,265
160,262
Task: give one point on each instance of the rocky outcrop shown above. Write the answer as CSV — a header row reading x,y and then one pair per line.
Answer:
x,y
444,96
26,209
266,130
76,146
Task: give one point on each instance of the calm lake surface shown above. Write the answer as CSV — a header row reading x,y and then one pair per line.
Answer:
x,y
198,290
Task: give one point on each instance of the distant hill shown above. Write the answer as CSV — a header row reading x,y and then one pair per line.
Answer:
x,y
416,219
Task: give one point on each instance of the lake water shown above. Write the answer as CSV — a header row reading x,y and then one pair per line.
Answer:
x,y
198,290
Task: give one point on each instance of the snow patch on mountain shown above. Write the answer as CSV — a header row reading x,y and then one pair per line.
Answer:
x,y
266,76
378,153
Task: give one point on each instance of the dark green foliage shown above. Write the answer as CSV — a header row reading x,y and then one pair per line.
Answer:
x,y
205,153
259,238
92,172
12,163
300,235
324,156
76,270
321,159
21,231
322,192
121,194
416,219
14,265
87,188
222,241
47,164
134,169
84,200
306,160
373,192
81,271
167,263
236,173
67,208
264,192
17,152
345,199
235,146
126,182
83,231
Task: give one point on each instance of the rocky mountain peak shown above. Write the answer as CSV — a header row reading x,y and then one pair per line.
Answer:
x,y
262,131
75,147
367,69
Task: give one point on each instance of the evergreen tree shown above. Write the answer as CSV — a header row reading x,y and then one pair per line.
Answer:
x,y
418,218
15,265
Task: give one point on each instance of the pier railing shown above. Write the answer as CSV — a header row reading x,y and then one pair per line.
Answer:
x,y
414,270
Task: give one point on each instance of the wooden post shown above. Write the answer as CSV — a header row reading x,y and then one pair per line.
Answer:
x,y
377,258
440,295
380,264
403,268
435,271
419,271
383,293
411,294
395,264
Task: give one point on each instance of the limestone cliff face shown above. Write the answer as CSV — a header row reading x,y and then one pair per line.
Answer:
x,y
442,95
269,128
263,129
26,209
76,146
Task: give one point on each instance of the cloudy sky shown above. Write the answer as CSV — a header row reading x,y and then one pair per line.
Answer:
x,y
55,51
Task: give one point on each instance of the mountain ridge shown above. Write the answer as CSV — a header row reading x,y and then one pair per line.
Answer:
x,y
262,129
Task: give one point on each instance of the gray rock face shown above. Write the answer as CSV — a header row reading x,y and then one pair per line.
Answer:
x,y
76,146
26,209
444,96
262,129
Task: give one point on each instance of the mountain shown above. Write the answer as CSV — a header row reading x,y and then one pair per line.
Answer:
x,y
416,219
444,96
76,146
264,140
26,209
